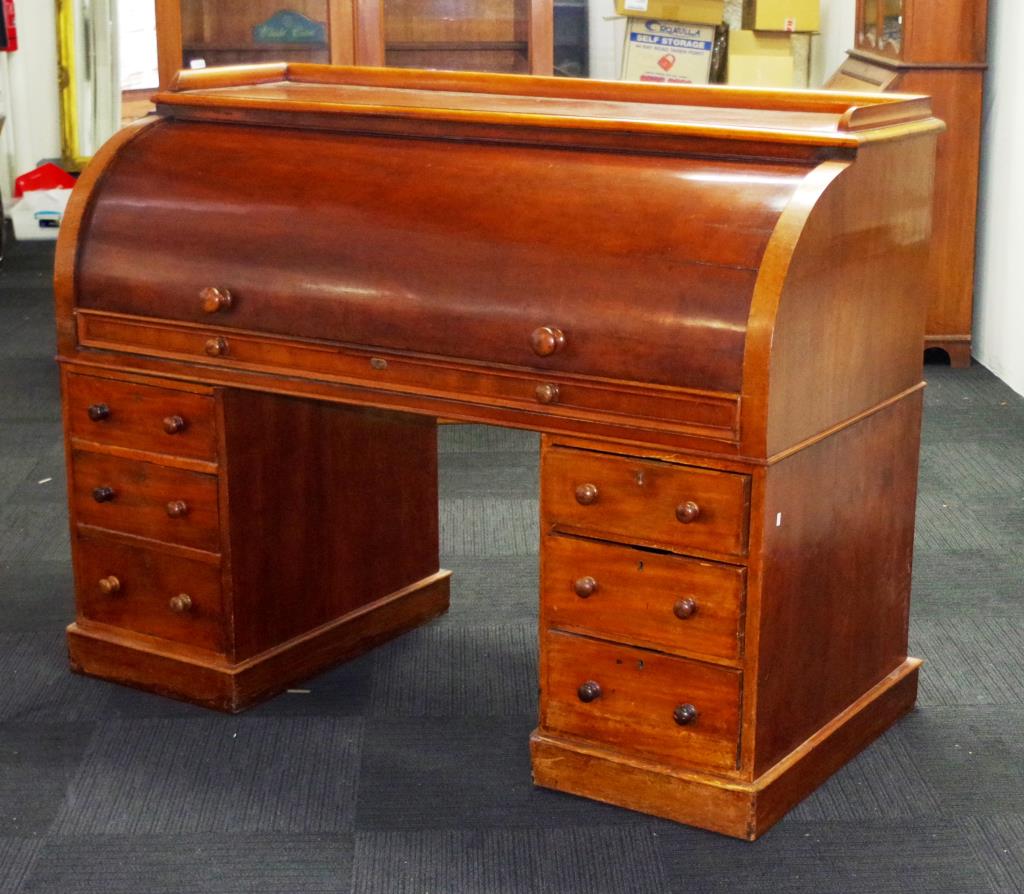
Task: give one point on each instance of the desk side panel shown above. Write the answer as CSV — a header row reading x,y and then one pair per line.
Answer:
x,y
850,319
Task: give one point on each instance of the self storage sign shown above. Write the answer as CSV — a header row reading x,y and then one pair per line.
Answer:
x,y
667,52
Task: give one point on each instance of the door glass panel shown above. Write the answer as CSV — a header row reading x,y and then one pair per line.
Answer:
x,y
471,35
231,32
892,27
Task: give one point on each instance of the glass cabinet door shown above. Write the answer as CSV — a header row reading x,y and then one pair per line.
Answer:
x,y
892,27
231,32
471,35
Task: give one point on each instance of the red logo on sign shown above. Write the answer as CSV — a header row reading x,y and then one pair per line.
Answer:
x,y
667,61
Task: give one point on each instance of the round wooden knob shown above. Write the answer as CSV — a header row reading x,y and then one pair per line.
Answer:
x,y
584,587
589,691
181,603
684,609
103,494
546,340
586,494
99,412
216,347
547,394
177,509
684,714
174,425
214,300
687,512
110,585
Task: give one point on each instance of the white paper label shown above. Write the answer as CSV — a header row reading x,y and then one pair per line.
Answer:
x,y
636,5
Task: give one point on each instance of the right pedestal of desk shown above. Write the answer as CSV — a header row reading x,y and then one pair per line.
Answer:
x,y
717,638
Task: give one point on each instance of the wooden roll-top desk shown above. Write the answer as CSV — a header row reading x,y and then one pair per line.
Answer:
x,y
705,299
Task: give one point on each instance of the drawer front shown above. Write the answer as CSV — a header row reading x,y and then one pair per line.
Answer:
x,y
696,413
645,501
629,699
150,592
143,417
146,499
649,599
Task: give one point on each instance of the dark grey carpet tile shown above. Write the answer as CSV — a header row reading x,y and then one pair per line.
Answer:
x,y
34,532
17,855
38,686
31,387
432,773
488,474
488,526
828,858
974,469
29,438
448,671
1002,850
948,524
35,596
486,438
29,328
967,583
972,757
970,660
215,774
37,761
14,472
187,863
882,782
492,589
950,389
504,861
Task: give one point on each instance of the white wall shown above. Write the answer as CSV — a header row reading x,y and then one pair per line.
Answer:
x,y
29,95
999,292
828,49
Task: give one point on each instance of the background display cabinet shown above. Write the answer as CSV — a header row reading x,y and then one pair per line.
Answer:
x,y
482,35
937,48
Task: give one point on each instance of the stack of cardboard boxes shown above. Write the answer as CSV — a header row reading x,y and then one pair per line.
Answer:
x,y
674,41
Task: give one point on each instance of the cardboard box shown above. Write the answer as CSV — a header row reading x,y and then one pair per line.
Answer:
x,y
663,52
705,12
782,15
761,59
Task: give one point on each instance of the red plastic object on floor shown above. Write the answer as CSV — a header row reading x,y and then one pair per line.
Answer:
x,y
47,176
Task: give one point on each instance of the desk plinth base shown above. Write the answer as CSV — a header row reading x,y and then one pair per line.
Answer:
x,y
204,678
740,809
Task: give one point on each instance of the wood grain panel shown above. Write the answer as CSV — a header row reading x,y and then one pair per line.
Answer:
x,y
142,492
637,501
146,582
640,691
635,597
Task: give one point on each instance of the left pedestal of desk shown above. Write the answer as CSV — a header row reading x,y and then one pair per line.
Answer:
x,y
229,543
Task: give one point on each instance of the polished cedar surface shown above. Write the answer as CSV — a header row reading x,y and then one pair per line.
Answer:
x,y
709,301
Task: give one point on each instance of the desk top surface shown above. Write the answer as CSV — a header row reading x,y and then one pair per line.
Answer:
x,y
803,117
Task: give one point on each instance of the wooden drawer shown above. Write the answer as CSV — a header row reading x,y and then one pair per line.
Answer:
x,y
145,499
645,501
648,599
142,590
141,417
684,411
638,696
